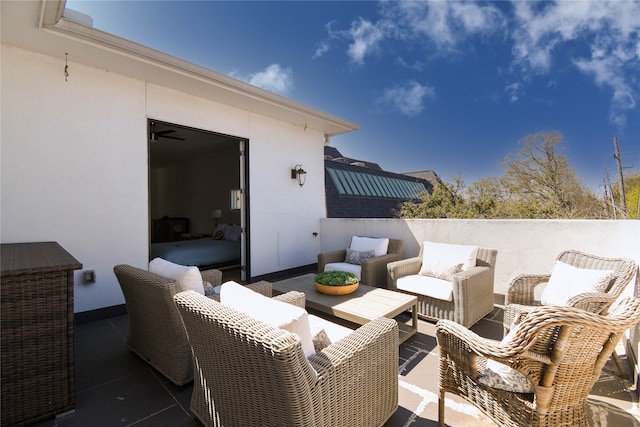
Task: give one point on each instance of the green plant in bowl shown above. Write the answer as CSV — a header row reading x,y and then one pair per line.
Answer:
x,y
336,278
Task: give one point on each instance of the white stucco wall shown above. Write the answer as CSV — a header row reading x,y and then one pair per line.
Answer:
x,y
74,169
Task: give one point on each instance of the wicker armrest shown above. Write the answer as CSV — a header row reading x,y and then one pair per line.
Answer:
x,y
212,276
362,366
374,270
364,343
262,287
465,345
292,297
593,302
514,313
521,289
329,257
400,268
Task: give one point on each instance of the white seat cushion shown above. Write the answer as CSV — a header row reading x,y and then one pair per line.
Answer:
x,y
379,245
189,278
428,286
344,266
439,259
567,281
273,312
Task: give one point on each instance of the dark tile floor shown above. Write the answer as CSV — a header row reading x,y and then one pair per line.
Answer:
x,y
116,388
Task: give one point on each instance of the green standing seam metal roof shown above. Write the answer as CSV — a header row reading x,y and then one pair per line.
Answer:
x,y
364,184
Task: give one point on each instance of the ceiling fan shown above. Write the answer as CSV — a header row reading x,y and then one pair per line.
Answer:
x,y
155,136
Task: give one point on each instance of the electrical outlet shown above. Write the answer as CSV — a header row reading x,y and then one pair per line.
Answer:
x,y
89,276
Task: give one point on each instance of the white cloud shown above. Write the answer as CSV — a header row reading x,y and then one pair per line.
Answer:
x,y
514,91
274,78
610,28
365,38
444,23
321,49
408,98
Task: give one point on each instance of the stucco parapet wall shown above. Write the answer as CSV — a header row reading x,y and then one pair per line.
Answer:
x,y
524,246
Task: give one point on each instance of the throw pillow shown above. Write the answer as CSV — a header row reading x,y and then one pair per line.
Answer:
x,y
438,259
567,281
320,340
503,377
273,312
355,257
188,277
444,275
378,244
232,233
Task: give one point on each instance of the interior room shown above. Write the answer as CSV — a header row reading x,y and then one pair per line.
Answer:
x,y
194,176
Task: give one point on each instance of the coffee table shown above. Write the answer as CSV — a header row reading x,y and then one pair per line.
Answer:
x,y
362,306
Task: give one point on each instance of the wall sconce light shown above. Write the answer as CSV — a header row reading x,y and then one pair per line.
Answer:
x,y
216,214
299,174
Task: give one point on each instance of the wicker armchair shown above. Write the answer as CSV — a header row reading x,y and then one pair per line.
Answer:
x,y
373,271
521,293
561,350
156,333
252,374
472,289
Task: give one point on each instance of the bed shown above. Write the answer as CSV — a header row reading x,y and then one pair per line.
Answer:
x,y
205,252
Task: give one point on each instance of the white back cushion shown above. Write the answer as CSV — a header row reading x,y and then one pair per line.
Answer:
x,y
440,258
189,278
363,244
567,281
273,312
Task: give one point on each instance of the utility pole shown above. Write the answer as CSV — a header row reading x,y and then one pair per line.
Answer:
x,y
616,155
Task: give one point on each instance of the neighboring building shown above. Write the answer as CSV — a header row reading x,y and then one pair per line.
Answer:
x,y
427,175
360,189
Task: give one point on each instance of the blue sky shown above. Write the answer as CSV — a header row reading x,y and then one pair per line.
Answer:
x,y
451,86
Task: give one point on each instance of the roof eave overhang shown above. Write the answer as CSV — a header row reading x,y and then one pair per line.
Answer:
x,y
57,36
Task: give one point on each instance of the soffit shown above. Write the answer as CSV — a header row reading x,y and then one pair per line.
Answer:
x,y
31,25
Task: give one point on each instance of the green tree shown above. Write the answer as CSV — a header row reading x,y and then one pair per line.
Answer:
x,y
538,183
541,184
445,201
632,196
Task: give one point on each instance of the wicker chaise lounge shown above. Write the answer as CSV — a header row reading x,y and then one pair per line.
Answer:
x,y
252,374
560,350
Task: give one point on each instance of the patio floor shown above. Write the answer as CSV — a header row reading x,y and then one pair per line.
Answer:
x,y
116,388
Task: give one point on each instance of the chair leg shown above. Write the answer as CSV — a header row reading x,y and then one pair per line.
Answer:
x,y
618,362
441,409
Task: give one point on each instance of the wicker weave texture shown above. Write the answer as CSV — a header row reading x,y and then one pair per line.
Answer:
x,y
36,322
252,374
156,333
472,289
373,270
521,290
560,349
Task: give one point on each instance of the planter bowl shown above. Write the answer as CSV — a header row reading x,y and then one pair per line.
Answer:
x,y
336,290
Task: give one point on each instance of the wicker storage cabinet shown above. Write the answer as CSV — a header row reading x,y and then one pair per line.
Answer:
x,y
36,332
